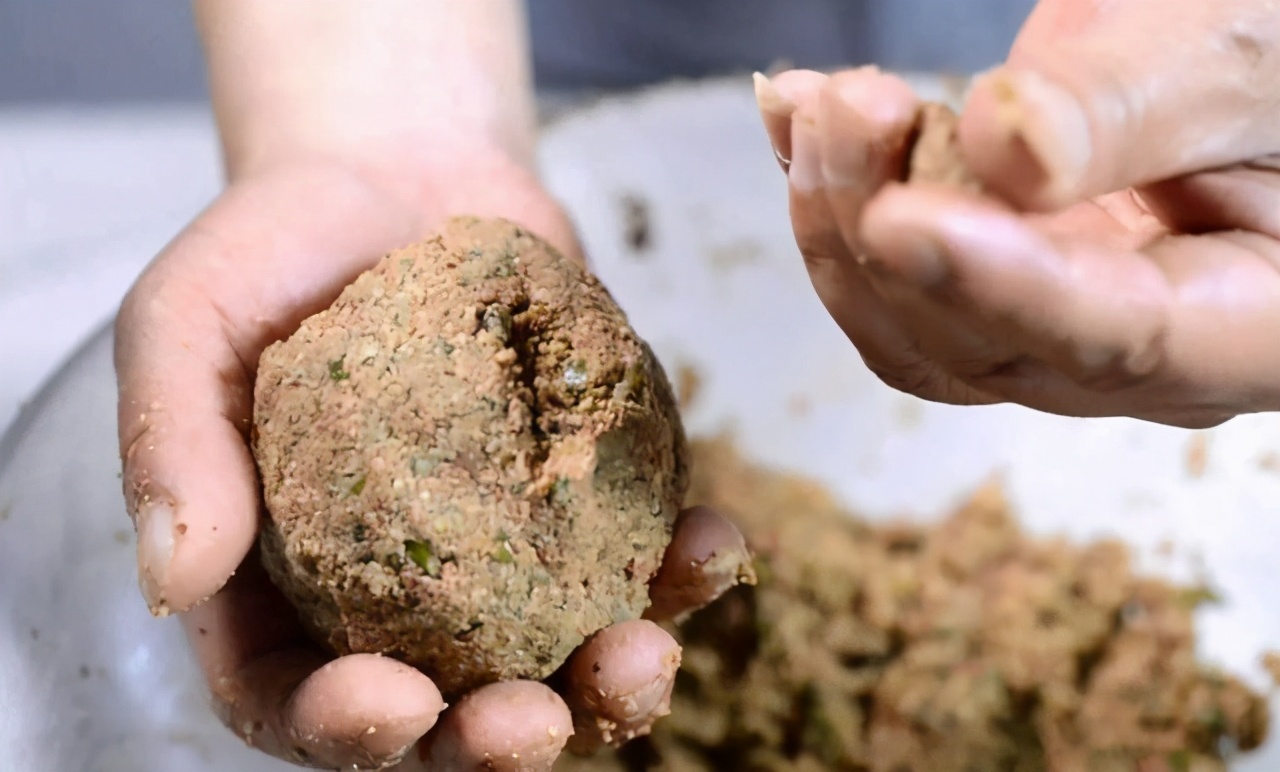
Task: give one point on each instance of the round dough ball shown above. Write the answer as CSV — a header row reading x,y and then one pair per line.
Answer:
x,y
470,461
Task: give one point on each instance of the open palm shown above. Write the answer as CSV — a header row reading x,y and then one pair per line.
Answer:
x,y
272,250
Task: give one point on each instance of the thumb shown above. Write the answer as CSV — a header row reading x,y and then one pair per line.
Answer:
x,y
1098,96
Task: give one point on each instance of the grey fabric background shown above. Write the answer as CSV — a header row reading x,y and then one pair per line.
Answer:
x,y
96,51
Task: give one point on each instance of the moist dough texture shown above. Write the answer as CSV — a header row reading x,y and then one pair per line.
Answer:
x,y
470,461
934,155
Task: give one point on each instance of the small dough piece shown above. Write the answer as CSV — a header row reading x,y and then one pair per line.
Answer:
x,y
935,153
470,461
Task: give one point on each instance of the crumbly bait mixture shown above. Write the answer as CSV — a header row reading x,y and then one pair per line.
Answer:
x,y
965,646
934,150
470,461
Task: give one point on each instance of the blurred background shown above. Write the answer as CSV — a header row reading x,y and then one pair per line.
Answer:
x,y
107,148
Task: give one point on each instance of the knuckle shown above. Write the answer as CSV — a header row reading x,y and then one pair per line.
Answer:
x,y
979,367
1112,369
819,250
929,381
917,378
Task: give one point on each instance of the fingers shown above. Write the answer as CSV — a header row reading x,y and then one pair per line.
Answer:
x,y
777,100
1223,287
1097,97
1097,311
1220,343
361,710
707,556
619,682
872,132
849,138
832,266
616,685
189,480
282,696
515,726
1244,197
1095,315
865,122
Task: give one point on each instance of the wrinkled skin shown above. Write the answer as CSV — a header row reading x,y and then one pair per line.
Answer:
x,y
276,247
1125,260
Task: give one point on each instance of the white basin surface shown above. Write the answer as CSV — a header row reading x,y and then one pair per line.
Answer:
x,y
88,681
87,197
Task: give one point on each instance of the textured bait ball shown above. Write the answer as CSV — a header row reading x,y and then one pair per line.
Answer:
x,y
470,460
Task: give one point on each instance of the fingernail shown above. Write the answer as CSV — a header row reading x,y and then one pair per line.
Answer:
x,y
769,99
652,700
805,171
1048,121
854,124
621,683
775,113
511,726
155,552
708,559
778,98
844,163
718,546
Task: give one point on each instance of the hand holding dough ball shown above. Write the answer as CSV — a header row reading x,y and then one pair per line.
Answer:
x,y
470,461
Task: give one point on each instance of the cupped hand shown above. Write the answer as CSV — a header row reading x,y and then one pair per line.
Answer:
x,y
1123,257
273,249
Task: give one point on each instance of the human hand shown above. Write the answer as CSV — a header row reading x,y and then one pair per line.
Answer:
x,y
276,247
1125,258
